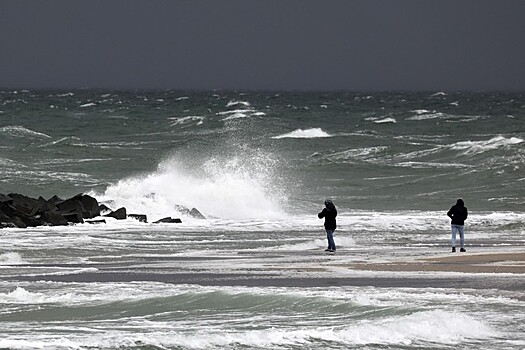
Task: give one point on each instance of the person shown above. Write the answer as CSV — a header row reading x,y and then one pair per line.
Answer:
x,y
329,213
458,213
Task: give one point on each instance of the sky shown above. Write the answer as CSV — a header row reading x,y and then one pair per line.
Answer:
x,y
476,45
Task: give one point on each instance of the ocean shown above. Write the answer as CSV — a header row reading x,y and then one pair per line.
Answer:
x,y
258,166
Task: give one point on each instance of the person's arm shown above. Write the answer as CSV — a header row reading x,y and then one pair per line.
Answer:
x,y
466,213
321,214
449,213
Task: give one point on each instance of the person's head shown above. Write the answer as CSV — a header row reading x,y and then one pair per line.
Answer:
x,y
460,203
328,204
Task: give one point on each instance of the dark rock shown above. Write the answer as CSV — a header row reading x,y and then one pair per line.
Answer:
x,y
139,217
103,208
5,199
182,210
54,200
90,206
196,214
168,220
27,205
54,218
100,221
74,217
86,205
119,214
18,222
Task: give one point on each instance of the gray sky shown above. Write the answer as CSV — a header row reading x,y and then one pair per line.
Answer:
x,y
264,44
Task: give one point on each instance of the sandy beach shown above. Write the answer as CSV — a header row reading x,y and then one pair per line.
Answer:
x,y
512,262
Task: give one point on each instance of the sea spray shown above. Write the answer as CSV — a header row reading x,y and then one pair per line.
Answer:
x,y
220,187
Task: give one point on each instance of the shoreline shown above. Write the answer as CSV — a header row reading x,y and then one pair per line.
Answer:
x,y
499,271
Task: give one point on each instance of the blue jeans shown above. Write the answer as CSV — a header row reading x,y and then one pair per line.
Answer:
x,y
330,237
458,228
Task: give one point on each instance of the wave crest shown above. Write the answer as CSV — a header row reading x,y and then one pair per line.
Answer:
x,y
304,134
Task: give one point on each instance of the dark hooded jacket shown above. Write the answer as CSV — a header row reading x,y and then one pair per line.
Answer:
x,y
458,213
329,213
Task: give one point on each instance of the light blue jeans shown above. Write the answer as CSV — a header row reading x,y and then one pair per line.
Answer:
x,y
458,228
330,237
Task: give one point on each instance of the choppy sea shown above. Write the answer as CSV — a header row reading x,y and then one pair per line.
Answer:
x,y
259,166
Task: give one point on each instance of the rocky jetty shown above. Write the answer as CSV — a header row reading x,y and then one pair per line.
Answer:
x,y
17,210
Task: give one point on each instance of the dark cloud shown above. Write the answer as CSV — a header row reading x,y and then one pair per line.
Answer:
x,y
264,44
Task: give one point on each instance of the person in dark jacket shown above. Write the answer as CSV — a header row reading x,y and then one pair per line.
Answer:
x,y
458,213
329,213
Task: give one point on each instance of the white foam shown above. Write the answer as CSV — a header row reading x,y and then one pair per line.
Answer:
x,y
304,134
20,131
421,111
235,116
431,326
237,103
385,120
434,327
235,111
476,147
11,258
90,104
427,116
188,119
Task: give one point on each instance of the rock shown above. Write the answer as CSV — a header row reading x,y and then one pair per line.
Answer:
x,y
18,222
168,220
196,214
74,217
27,205
100,221
86,205
104,208
54,200
5,199
182,210
90,206
119,214
139,217
54,218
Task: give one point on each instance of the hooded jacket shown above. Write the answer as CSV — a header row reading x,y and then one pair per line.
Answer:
x,y
329,213
458,213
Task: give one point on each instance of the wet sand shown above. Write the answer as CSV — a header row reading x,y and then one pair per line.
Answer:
x,y
513,263
500,271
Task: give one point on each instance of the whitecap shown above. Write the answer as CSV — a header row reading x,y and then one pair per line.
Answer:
x,y
237,103
70,140
427,116
304,134
182,98
420,111
91,104
20,131
440,93
188,119
235,116
235,111
386,120
476,147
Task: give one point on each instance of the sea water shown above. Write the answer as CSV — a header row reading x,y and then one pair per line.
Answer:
x,y
259,166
